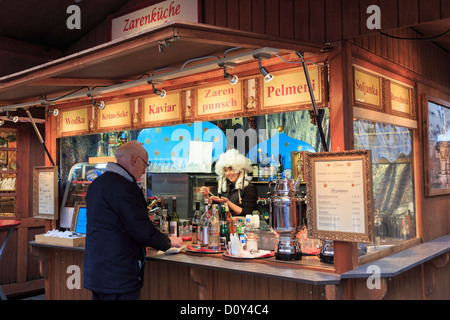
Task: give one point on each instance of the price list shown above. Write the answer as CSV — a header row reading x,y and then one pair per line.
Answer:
x,y
46,192
339,201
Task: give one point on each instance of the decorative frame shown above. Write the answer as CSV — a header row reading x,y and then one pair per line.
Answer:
x,y
45,192
321,99
340,196
76,217
436,153
142,109
90,121
196,100
381,92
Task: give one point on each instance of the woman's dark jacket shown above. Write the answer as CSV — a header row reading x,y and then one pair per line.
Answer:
x,y
118,230
248,195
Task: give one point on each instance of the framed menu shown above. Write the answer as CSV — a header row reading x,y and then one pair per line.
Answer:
x,y
339,195
45,192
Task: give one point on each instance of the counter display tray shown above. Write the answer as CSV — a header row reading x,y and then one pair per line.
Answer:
x,y
264,254
203,251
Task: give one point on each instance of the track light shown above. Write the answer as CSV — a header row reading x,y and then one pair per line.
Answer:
x,y
54,112
267,76
100,104
232,78
161,93
13,119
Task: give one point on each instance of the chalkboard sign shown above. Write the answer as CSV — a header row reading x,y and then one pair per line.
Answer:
x,y
339,196
45,192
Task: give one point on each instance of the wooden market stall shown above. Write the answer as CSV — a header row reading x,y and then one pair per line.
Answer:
x,y
377,92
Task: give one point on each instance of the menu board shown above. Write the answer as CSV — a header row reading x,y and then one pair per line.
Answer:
x,y
339,191
45,192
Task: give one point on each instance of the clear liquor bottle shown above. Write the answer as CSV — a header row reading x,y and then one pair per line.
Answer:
x,y
214,230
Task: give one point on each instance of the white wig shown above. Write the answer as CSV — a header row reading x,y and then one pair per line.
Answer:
x,y
238,163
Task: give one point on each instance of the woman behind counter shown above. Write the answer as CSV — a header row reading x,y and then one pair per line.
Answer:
x,y
234,187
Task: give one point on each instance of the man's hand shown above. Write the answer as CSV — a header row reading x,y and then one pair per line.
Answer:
x,y
176,241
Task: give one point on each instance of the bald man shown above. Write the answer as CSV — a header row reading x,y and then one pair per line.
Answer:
x,y
118,228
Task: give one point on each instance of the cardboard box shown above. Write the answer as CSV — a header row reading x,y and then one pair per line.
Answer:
x,y
65,242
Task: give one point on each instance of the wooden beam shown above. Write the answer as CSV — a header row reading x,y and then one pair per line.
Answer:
x,y
22,48
77,82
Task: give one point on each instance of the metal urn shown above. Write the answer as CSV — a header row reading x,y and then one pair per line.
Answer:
x,y
286,215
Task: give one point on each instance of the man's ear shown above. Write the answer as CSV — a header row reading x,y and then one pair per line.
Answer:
x,y
134,159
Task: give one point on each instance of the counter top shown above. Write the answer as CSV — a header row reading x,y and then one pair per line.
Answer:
x,y
259,267
389,266
402,261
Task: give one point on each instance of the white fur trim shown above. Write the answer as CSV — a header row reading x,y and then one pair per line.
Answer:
x,y
239,163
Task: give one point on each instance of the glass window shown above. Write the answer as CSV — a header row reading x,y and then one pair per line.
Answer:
x,y
393,179
8,167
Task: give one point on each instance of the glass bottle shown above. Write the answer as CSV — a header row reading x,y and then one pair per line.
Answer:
x,y
266,167
229,220
224,231
261,167
195,226
255,169
174,218
273,168
214,230
280,167
165,221
204,224
241,232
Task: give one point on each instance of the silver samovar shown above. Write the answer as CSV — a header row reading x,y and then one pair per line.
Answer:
x,y
286,217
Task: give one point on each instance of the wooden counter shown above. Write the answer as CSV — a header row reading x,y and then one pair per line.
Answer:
x,y
420,272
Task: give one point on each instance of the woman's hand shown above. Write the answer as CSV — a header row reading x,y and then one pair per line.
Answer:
x,y
204,191
219,199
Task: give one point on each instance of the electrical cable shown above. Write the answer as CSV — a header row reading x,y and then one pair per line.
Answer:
x,y
196,59
299,62
68,94
423,38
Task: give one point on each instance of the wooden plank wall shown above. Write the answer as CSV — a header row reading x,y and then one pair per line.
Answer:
x,y
421,57
319,20
165,281
325,21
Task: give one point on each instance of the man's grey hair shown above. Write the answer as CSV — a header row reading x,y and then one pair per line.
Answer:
x,y
130,149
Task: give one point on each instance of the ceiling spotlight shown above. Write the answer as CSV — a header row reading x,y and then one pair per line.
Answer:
x,y
100,104
267,76
54,112
161,93
13,119
232,78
